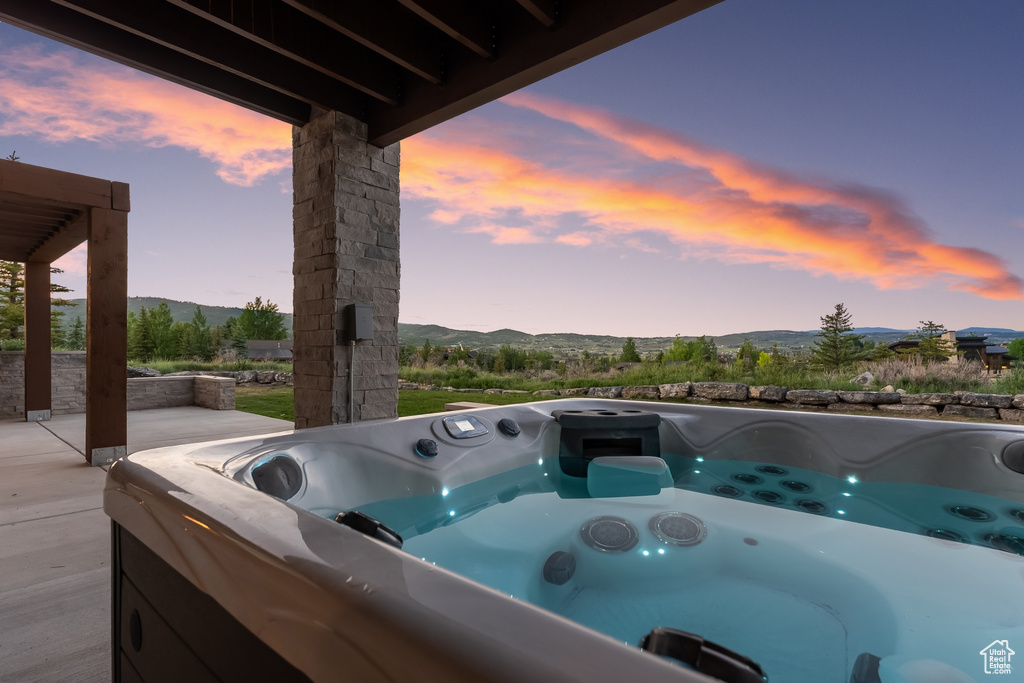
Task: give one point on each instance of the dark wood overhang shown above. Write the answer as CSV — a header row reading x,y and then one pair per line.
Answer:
x,y
43,212
401,66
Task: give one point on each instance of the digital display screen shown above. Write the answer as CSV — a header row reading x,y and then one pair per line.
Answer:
x,y
464,427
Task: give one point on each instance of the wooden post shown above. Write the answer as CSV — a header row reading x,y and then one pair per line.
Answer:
x,y
106,330
37,342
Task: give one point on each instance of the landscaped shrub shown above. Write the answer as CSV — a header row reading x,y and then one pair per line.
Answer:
x,y
908,372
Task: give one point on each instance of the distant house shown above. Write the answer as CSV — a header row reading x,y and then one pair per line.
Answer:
x,y
994,358
269,350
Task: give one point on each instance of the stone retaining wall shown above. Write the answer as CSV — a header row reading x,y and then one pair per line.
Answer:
x,y
957,405
144,393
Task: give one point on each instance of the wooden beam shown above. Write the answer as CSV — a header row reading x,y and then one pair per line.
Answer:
x,y
529,53
66,239
38,186
403,39
293,34
106,332
544,11
179,30
37,342
458,20
81,31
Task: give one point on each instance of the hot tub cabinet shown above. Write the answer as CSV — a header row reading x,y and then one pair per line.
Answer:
x,y
574,540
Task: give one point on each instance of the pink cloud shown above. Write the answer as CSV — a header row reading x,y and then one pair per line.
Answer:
x,y
62,96
637,185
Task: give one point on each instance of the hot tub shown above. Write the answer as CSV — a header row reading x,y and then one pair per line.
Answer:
x,y
549,541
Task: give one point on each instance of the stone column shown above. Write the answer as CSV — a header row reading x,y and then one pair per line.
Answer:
x,y
345,218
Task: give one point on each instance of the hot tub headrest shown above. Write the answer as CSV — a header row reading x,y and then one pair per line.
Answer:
x,y
588,434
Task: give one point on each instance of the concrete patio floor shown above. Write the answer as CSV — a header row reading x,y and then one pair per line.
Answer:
x,y
55,539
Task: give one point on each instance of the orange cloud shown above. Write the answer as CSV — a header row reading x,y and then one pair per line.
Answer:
x,y
638,185
59,96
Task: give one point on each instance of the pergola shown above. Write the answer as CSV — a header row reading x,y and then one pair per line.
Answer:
x,y
43,215
354,77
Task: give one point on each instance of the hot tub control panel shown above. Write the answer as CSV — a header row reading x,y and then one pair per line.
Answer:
x,y
464,427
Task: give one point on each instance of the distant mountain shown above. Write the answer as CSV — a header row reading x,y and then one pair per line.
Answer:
x,y
874,330
569,343
181,311
558,343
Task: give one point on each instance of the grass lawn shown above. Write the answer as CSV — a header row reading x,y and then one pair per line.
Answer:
x,y
269,401
277,401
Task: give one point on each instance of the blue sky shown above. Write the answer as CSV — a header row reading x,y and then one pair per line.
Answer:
x,y
799,125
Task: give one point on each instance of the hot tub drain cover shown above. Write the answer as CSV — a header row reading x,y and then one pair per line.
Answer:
x,y
678,528
609,534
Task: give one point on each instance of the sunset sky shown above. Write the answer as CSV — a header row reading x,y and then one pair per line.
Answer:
x,y
746,168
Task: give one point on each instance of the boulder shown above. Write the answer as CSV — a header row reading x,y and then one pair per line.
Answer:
x,y
851,407
516,391
678,390
904,410
649,392
986,400
970,411
864,379
245,377
605,392
1018,401
768,392
1011,414
143,372
888,387
930,399
546,392
814,397
494,391
573,391
721,391
265,377
871,397
408,385
472,391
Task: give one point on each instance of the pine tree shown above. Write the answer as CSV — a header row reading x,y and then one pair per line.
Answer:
x,y
835,347
931,346
201,339
144,345
629,354
76,336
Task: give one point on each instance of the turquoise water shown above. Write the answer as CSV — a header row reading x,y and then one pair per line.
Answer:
x,y
798,570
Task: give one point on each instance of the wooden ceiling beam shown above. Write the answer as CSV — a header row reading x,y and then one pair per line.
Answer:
x,y
544,11
9,227
28,223
529,53
459,21
293,34
186,33
376,25
74,234
99,38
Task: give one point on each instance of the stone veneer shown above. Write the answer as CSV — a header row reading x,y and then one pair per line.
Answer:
x,y
345,220
144,393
